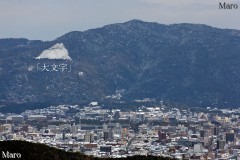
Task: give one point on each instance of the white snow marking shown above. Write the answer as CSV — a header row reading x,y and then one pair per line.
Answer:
x,y
81,74
58,51
30,68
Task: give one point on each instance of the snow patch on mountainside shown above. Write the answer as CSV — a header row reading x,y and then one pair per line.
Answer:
x,y
58,51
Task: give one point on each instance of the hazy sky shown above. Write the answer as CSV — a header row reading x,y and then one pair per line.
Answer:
x,y
49,19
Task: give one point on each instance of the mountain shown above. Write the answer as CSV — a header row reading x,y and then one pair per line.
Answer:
x,y
193,64
36,151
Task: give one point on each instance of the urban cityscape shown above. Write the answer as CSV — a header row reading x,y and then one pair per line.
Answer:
x,y
178,133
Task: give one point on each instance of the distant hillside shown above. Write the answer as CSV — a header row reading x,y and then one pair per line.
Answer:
x,y
33,151
193,64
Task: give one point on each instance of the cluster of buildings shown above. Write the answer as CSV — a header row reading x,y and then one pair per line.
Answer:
x,y
159,131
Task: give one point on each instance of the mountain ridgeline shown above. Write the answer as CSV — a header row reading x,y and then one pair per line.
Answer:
x,y
192,64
